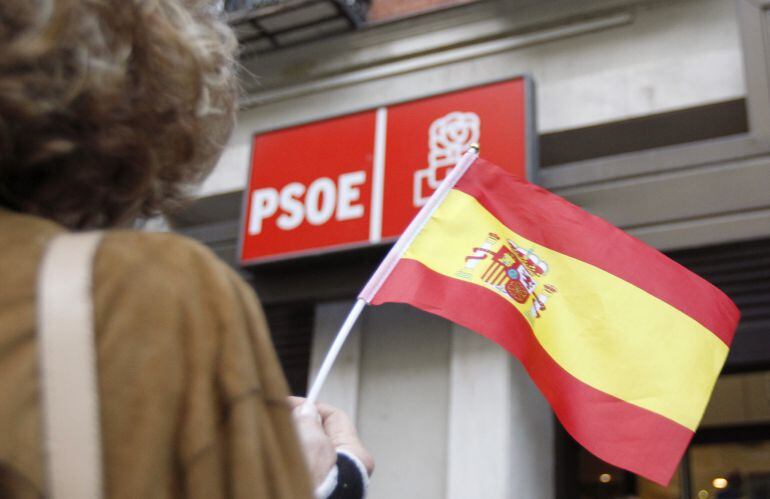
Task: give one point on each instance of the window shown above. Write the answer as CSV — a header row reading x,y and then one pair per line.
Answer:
x,y
648,132
728,459
677,139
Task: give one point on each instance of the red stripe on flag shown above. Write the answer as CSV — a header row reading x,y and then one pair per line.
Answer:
x,y
618,432
555,223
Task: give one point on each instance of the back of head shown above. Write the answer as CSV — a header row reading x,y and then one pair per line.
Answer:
x,y
110,109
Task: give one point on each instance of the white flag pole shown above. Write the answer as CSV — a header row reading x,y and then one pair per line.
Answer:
x,y
387,266
334,350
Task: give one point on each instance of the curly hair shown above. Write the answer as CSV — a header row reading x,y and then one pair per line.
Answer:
x,y
110,109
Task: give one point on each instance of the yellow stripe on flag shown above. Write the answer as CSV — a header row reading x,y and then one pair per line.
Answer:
x,y
603,330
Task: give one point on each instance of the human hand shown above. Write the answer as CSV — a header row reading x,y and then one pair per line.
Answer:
x,y
317,447
340,430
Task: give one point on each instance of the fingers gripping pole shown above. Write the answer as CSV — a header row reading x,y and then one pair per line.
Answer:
x,y
334,350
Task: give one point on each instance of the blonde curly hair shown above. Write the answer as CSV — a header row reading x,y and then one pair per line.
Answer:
x,y
110,109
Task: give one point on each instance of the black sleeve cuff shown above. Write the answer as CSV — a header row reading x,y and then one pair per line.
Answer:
x,y
350,481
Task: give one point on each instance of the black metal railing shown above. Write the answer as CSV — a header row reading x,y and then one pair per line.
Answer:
x,y
264,25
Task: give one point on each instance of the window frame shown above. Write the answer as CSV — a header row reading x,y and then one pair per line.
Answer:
x,y
754,26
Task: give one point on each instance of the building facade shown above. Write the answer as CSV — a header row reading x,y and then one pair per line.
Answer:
x,y
652,114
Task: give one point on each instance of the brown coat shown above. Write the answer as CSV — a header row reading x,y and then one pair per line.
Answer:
x,y
192,396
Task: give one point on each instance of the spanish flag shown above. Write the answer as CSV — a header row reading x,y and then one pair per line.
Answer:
x,y
624,343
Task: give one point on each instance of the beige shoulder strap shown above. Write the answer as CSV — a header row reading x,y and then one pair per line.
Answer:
x,y
70,400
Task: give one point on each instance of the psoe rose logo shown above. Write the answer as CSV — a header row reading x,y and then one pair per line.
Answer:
x,y
448,139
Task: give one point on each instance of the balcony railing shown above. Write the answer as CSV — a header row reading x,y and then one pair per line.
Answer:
x,y
265,25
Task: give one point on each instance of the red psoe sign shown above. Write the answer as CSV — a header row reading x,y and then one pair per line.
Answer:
x,y
359,179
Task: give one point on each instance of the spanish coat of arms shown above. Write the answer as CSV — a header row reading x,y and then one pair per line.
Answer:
x,y
510,270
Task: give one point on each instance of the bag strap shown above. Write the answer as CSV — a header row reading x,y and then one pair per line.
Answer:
x,y
69,389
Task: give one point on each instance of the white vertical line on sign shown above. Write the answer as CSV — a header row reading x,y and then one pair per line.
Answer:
x,y
378,175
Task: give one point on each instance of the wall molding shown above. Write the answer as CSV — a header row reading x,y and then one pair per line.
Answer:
x,y
429,60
